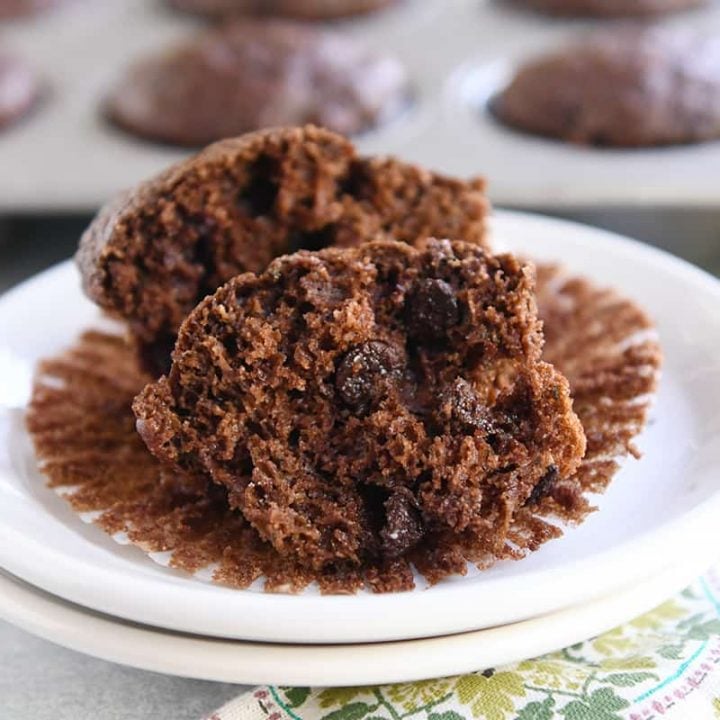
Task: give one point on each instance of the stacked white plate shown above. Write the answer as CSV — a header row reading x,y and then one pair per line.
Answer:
x,y
655,530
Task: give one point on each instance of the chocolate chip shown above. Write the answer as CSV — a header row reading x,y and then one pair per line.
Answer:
x,y
363,374
544,486
431,308
403,527
488,673
461,410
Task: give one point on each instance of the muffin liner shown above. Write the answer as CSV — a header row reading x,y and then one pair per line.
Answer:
x,y
83,429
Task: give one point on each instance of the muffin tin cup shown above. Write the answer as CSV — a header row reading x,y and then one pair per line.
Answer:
x,y
67,157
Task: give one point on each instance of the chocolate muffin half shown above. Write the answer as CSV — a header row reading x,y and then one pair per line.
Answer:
x,y
154,252
305,9
83,427
623,87
365,404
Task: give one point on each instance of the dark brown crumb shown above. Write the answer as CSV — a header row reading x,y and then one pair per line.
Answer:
x,y
153,253
358,403
611,379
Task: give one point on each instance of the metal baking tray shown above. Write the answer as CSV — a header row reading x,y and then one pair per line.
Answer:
x,y
65,157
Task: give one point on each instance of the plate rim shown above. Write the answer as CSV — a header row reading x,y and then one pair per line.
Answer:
x,y
337,665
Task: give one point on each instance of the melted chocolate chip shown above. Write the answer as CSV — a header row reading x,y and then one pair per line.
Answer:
x,y
544,486
431,309
364,372
461,410
403,527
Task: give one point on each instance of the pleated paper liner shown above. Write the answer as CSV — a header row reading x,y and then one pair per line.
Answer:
x,y
84,434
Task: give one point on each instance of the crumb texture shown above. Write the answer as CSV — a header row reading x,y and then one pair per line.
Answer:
x,y
624,87
152,254
83,428
369,403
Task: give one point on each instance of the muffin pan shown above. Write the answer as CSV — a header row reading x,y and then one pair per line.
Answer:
x,y
67,157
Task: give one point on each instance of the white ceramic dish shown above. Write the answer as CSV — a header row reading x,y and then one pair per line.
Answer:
x,y
330,665
66,157
655,512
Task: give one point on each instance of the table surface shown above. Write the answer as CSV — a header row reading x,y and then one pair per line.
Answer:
x,y
43,681
40,680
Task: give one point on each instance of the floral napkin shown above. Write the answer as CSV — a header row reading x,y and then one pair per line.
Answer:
x,y
665,664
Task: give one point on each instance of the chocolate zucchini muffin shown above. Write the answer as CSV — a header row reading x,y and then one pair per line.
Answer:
x,y
363,404
611,8
154,252
19,90
252,74
19,8
305,9
623,87
83,428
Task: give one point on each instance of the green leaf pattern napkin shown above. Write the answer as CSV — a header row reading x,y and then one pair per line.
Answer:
x,y
662,665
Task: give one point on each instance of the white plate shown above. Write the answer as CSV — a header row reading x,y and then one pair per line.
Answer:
x,y
330,665
656,511
65,157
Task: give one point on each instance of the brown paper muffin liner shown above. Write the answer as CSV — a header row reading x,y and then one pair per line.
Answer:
x,y
84,433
